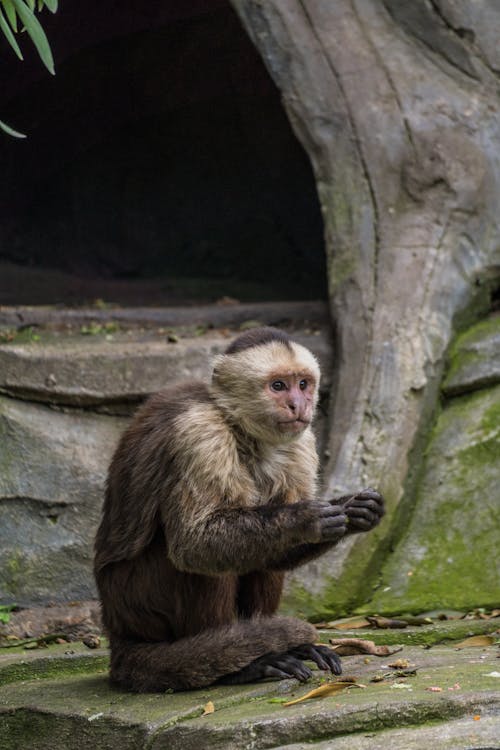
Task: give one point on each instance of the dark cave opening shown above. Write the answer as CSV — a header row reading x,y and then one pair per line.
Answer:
x,y
159,167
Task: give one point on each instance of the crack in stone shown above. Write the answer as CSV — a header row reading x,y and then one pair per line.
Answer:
x,y
356,139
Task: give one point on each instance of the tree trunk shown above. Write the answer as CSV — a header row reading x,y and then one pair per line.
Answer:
x,y
397,105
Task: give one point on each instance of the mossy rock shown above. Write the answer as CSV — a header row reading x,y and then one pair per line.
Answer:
x,y
448,556
475,358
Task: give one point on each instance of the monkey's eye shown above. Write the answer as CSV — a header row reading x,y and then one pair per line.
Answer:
x,y
278,385
303,385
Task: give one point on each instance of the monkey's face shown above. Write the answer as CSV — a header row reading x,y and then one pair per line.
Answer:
x,y
292,400
269,391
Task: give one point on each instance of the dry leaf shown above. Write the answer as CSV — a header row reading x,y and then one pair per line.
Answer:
x,y
329,688
400,673
353,646
323,625
351,623
399,664
209,709
417,620
386,622
476,641
91,640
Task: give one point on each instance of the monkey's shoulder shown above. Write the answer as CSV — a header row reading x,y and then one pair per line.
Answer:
x,y
154,427
172,401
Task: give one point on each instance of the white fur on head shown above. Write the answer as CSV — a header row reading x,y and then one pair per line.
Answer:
x,y
240,378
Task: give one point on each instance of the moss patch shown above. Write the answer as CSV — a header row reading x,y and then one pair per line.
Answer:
x,y
423,635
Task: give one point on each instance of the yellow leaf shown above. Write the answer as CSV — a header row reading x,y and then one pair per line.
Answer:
x,y
352,623
400,664
352,646
329,688
209,709
476,641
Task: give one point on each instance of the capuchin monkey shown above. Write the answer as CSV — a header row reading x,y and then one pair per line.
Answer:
x,y
210,497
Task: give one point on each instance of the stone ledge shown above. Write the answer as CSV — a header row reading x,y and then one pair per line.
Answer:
x,y
223,315
67,368
84,712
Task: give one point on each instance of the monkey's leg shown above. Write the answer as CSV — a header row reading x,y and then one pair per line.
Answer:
x,y
202,659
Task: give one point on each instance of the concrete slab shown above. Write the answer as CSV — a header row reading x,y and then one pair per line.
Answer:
x,y
457,691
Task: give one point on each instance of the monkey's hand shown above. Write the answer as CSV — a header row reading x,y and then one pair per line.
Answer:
x,y
363,510
322,521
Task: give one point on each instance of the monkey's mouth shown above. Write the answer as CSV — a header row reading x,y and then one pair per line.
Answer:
x,y
294,425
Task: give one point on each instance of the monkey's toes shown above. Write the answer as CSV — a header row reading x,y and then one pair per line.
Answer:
x,y
322,656
290,666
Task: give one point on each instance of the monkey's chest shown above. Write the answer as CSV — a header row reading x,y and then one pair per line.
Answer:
x,y
277,481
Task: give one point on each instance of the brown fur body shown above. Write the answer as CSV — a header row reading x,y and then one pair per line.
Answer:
x,y
203,511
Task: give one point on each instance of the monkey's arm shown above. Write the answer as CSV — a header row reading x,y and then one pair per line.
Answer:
x,y
242,540
363,510
301,555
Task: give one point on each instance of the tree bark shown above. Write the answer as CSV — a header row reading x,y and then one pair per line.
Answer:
x,y
396,104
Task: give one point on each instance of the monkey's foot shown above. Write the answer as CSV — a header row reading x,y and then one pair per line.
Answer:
x,y
277,666
322,656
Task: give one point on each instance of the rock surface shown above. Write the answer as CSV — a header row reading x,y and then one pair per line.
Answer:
x,y
59,701
52,471
448,555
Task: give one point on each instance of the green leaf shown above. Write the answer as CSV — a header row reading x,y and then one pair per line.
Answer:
x,y
5,610
10,12
36,33
31,4
7,129
50,4
9,35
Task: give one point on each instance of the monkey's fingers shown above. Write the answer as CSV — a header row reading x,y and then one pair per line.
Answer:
x,y
332,533
362,503
328,509
363,518
369,494
334,519
334,510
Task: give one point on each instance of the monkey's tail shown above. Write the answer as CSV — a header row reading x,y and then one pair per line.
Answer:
x,y
200,660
